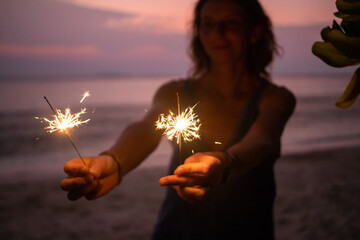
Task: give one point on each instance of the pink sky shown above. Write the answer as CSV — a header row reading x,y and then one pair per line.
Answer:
x,y
134,36
178,12
49,50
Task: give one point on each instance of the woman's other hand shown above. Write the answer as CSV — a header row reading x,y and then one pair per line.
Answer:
x,y
199,174
92,180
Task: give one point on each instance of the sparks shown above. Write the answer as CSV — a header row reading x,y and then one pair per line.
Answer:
x,y
184,126
85,95
64,121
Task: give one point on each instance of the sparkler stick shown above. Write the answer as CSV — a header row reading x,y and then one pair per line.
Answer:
x,y
178,103
184,127
64,129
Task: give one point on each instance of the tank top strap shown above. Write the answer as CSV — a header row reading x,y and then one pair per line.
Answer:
x,y
246,119
188,95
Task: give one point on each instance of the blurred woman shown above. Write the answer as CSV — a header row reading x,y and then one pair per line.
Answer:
x,y
223,190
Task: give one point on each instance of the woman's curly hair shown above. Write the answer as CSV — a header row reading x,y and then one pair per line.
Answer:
x,y
260,54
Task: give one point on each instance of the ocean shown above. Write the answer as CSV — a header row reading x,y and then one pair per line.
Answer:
x,y
26,147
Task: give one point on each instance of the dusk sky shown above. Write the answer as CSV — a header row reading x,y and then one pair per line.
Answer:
x,y
137,37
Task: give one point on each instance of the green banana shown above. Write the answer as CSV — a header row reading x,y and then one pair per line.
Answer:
x,y
352,1
335,25
351,92
348,17
341,46
348,7
350,46
324,33
352,29
331,56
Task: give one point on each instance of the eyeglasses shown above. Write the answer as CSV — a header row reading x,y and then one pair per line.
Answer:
x,y
207,26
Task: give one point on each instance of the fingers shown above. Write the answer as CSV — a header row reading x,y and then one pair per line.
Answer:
x,y
200,163
193,195
98,165
80,186
91,181
74,183
75,168
74,195
77,194
183,181
191,168
92,192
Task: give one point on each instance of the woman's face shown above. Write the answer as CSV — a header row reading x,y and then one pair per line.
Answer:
x,y
223,31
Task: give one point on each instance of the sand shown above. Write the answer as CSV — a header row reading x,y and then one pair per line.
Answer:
x,y
318,197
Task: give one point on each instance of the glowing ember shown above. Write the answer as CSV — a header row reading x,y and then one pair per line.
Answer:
x,y
85,95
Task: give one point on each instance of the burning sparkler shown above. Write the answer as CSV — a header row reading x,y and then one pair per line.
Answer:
x,y
184,126
64,121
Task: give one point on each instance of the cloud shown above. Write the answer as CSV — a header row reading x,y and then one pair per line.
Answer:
x,y
49,51
160,14
51,22
41,36
299,13
141,23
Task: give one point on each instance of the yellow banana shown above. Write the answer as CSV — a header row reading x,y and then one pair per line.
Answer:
x,y
351,92
331,56
350,46
348,6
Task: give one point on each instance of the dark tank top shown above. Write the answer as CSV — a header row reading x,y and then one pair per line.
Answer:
x,y
241,208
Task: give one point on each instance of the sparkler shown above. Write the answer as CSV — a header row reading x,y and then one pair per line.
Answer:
x,y
184,126
63,122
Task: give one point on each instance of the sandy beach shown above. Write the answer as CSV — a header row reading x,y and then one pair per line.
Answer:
x,y
317,198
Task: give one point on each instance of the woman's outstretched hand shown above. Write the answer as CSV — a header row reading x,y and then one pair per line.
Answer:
x,y
92,180
199,174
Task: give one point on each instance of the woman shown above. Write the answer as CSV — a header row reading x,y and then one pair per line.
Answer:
x,y
227,189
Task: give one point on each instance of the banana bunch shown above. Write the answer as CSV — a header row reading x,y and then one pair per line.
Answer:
x,y
341,46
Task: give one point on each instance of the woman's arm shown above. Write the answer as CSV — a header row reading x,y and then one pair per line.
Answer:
x,y
263,138
202,171
139,139
101,174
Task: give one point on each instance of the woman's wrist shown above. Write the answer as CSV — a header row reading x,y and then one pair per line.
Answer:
x,y
115,158
229,161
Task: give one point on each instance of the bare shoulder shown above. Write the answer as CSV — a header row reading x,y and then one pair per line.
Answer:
x,y
168,89
165,98
278,97
166,94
